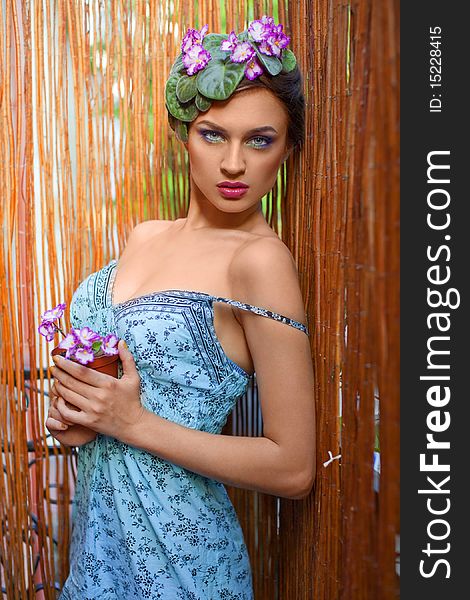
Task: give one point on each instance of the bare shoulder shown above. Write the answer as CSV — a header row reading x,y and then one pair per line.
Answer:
x,y
147,229
141,233
263,273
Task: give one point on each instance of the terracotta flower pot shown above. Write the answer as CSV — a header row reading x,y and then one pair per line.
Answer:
x,y
104,364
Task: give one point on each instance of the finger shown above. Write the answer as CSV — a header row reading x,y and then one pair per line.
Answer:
x,y
80,372
55,414
80,387
55,425
73,397
127,359
53,395
73,416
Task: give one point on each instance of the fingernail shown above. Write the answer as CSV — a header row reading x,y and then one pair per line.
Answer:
x,y
124,344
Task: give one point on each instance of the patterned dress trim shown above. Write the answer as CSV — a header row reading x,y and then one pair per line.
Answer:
x,y
264,312
197,313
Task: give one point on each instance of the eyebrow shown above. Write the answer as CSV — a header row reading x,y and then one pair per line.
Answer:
x,y
255,130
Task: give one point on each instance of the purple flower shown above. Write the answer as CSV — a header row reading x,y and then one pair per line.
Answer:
x,y
69,343
268,21
54,313
48,327
258,30
242,52
265,47
253,69
196,59
275,42
193,37
84,355
48,330
109,345
82,345
86,336
231,43
282,40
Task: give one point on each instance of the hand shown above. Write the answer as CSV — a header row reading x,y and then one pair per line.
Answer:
x,y
53,412
68,435
54,420
105,404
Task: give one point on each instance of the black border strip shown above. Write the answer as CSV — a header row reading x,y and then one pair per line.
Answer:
x,y
438,138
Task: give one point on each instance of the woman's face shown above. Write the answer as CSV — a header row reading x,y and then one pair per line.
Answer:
x,y
226,143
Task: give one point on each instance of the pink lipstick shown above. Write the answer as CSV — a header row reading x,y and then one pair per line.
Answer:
x,y
232,189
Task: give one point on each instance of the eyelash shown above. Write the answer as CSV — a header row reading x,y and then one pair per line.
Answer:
x,y
260,137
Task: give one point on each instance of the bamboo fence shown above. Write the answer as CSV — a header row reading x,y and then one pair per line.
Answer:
x,y
86,152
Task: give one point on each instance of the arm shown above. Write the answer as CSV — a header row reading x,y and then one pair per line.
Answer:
x,y
282,462
74,434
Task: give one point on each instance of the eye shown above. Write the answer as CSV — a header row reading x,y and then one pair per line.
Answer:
x,y
207,132
213,137
265,141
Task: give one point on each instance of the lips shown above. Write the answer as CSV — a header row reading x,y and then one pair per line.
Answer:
x,y
232,189
233,184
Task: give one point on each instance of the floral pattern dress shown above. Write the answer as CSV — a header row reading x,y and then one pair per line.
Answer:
x,y
143,527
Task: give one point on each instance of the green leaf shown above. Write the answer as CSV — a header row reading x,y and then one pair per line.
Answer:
x,y
182,131
186,88
288,60
272,63
180,111
202,103
219,79
178,65
217,54
212,41
96,345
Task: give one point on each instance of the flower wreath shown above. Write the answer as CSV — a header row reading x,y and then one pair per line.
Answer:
x,y
210,67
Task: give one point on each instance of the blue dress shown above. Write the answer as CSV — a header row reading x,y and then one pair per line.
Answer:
x,y
143,527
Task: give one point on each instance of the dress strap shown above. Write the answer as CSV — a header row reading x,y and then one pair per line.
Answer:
x,y
264,312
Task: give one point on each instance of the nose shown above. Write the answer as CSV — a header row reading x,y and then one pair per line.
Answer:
x,y
233,161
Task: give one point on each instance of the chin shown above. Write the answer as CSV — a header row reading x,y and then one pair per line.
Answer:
x,y
232,206
235,204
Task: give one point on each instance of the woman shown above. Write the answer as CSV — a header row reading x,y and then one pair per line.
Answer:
x,y
151,516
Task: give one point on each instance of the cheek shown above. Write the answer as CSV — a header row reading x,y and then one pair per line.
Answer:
x,y
199,156
267,168
203,166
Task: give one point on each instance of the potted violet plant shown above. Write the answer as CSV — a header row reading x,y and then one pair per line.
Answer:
x,y
84,345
